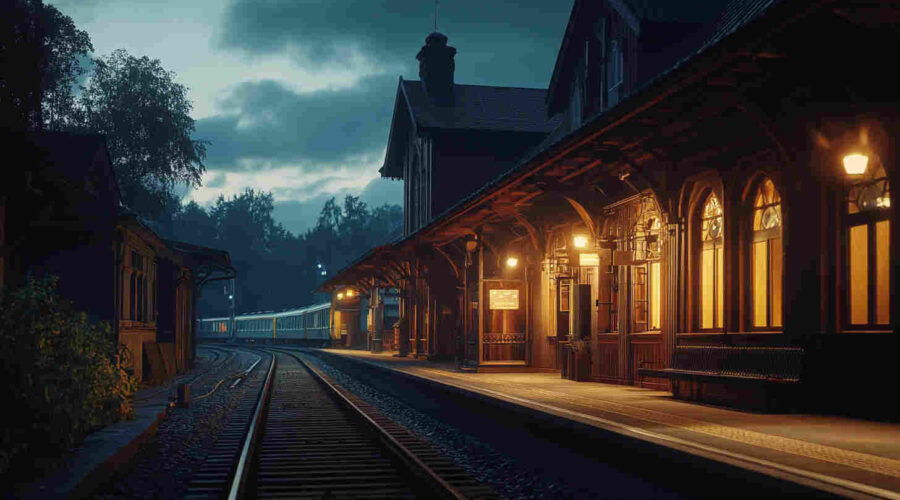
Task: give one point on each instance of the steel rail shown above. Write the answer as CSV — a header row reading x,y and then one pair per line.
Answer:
x,y
412,462
244,463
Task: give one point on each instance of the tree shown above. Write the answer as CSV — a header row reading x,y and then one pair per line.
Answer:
x,y
23,62
145,116
40,51
65,45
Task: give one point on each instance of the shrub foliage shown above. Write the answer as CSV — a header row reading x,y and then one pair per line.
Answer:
x,y
62,379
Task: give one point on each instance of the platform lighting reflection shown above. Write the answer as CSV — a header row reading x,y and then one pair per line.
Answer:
x,y
512,262
855,164
581,241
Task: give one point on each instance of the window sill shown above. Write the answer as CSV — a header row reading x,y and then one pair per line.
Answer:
x,y
867,330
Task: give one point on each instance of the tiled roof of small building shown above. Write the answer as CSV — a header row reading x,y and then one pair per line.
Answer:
x,y
479,107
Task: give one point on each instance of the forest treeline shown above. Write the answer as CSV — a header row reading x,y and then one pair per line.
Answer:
x,y
276,269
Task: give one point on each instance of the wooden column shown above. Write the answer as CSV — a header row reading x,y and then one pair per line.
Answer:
x,y
622,318
672,258
480,331
803,236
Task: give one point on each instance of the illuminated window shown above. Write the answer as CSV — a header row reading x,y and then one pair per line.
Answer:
x,y
646,298
712,282
766,257
646,275
868,233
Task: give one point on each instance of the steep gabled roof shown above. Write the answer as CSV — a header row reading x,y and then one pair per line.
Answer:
x,y
76,160
475,107
480,107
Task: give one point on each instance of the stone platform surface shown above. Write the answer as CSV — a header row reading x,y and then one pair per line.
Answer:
x,y
858,458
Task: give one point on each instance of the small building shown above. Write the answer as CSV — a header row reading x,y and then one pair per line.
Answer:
x,y
62,216
720,228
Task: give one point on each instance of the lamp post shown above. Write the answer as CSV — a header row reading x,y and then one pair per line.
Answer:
x,y
231,306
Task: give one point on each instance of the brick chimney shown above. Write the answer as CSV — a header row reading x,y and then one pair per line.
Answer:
x,y
436,67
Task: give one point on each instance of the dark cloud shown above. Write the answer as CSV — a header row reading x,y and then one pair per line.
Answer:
x,y
500,42
273,125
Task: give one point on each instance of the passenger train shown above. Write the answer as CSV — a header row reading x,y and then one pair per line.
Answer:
x,y
308,325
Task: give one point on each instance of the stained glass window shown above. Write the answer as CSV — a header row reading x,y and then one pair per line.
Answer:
x,y
712,264
766,257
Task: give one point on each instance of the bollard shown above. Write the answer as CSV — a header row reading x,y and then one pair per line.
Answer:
x,y
184,395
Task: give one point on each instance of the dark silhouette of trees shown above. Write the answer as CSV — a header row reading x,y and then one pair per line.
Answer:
x,y
277,269
145,115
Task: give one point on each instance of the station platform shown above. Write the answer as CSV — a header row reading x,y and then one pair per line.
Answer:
x,y
851,457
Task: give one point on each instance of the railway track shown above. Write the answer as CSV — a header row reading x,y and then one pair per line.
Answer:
x,y
305,437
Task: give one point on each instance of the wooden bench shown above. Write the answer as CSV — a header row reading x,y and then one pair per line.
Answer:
x,y
761,378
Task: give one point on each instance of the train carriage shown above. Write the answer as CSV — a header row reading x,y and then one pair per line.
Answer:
x,y
306,326
214,329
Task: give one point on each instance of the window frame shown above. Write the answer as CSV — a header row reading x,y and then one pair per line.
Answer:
x,y
869,220
715,244
757,236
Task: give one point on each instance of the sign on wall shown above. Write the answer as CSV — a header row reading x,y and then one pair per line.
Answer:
x,y
504,299
588,259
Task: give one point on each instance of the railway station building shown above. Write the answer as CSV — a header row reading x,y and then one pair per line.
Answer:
x,y
61,215
711,214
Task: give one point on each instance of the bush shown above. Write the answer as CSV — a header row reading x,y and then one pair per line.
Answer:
x,y
60,373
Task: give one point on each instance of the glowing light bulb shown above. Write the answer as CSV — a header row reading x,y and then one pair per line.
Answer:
x,y
581,241
855,164
512,262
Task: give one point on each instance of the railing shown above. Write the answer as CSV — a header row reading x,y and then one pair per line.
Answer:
x,y
503,347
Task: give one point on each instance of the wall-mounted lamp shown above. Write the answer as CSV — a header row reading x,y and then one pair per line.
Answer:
x,y
580,241
512,262
340,295
349,293
855,164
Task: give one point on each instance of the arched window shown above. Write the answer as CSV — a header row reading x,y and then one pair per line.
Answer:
x,y
867,227
766,257
712,283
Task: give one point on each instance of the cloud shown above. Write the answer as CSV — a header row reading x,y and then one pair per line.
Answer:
x,y
494,37
300,216
264,125
217,181
380,191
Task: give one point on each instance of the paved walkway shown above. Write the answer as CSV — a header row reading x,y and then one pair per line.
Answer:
x,y
829,452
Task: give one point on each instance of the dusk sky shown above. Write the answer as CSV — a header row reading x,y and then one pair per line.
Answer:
x,y
296,95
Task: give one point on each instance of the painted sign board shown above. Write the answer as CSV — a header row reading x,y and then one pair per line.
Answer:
x,y
501,299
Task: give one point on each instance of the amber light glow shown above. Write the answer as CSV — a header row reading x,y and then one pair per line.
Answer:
x,y
340,295
581,241
855,164
349,293
512,262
